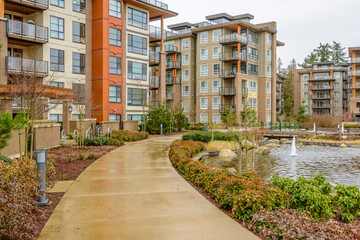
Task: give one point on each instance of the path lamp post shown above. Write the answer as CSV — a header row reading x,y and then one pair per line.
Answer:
x,y
41,160
161,129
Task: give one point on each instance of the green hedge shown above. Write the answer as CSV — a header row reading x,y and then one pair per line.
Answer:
x,y
206,136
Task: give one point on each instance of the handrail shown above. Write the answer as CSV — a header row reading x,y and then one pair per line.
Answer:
x,y
26,65
27,31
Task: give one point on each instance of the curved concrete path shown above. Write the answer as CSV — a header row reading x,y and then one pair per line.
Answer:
x,y
135,193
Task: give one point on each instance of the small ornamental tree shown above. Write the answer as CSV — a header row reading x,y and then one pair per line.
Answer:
x,y
229,118
179,118
248,115
301,116
155,117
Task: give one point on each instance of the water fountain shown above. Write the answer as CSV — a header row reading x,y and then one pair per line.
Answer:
x,y
314,128
293,148
342,128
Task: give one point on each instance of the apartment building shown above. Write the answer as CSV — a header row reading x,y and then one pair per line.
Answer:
x,y
280,94
322,88
354,81
225,61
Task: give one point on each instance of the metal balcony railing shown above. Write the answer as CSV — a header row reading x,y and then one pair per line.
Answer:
x,y
357,85
227,73
321,106
14,64
355,60
173,80
39,4
227,91
173,65
224,106
354,73
156,3
321,97
154,57
232,56
155,32
171,48
233,38
27,31
323,88
154,82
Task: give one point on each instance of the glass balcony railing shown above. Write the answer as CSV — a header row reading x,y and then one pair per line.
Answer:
x,y
154,57
38,4
232,56
321,87
233,38
27,31
25,66
173,80
354,73
227,91
171,48
156,3
154,81
173,65
355,60
227,73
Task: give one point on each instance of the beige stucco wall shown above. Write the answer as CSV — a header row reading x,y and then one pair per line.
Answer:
x,y
113,125
131,125
46,134
83,125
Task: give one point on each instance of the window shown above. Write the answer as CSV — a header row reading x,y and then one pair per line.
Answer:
x,y
57,84
57,117
137,44
336,85
115,37
136,117
216,52
268,118
203,87
185,106
336,93
216,69
268,70
115,117
185,75
185,91
56,27
185,59
137,71
253,53
216,103
306,76
252,86
78,32
115,8
306,94
57,60
80,91
216,86
204,37
306,86
253,103
253,36
137,18
306,103
203,103
337,103
337,75
216,35
253,69
203,54
269,39
136,97
216,118
185,43
203,118
79,63
203,70
268,53
115,65
58,3
75,116
268,103
268,87
79,6
115,94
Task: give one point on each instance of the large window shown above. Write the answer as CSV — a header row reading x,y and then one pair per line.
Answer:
x,y
56,27
137,18
80,92
203,118
268,103
115,37
185,106
185,43
268,87
253,53
57,117
115,94
268,54
136,97
203,87
78,32
57,60
137,44
57,84
79,63
115,65
185,59
137,71
216,118
216,35
216,52
203,103
185,91
79,6
216,69
252,86
203,70
253,69
58,3
115,117
268,71
115,8
216,103
216,86
185,75
203,54
204,37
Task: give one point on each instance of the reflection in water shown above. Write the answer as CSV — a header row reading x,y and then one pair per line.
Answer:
x,y
338,165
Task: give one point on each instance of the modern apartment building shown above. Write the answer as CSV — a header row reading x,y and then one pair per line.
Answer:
x,y
322,88
226,61
354,81
280,94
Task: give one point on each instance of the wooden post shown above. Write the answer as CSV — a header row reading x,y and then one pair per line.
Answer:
x,y
240,154
162,34
253,153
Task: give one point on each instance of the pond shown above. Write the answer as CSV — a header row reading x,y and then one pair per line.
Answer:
x,y
338,165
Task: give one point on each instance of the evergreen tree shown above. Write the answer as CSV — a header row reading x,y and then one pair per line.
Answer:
x,y
311,58
324,52
338,53
279,65
289,89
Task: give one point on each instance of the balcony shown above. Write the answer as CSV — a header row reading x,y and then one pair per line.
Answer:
x,y
34,4
227,91
156,3
27,31
224,106
321,106
154,58
24,66
233,38
322,78
154,82
173,65
355,60
227,73
354,73
173,80
278,89
321,97
322,88
232,56
171,49
154,33
356,86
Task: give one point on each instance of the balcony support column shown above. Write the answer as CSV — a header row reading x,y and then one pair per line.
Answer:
x,y
162,74
3,50
66,115
162,34
2,8
238,98
239,49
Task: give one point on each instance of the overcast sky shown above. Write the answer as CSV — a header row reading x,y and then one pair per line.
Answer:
x,y
301,25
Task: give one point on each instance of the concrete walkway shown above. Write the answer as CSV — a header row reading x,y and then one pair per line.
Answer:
x,y
135,193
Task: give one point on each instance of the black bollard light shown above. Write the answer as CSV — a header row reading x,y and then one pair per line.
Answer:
x,y
41,160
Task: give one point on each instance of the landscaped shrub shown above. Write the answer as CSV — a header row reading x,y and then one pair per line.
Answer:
x,y
128,136
243,194
5,159
347,202
195,127
336,137
97,141
219,145
352,125
115,142
206,136
70,135
321,122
